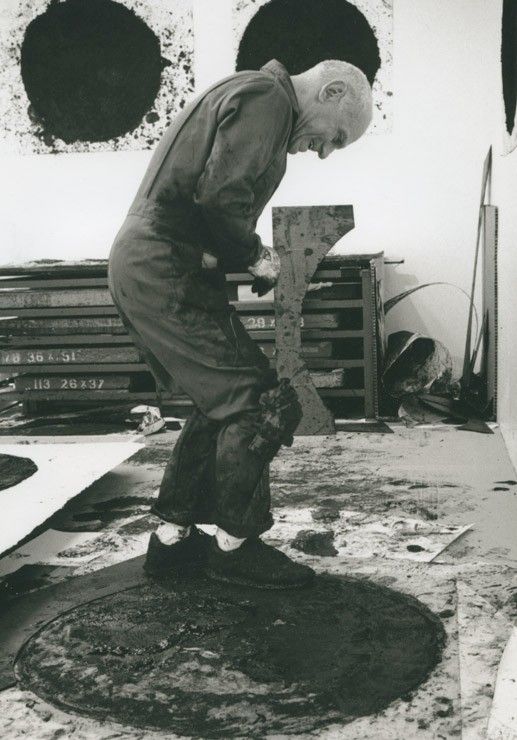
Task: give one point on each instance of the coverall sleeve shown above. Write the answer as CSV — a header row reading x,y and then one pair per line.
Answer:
x,y
253,125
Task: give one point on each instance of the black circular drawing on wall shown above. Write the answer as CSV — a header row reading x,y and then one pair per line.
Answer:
x,y
91,69
509,62
301,33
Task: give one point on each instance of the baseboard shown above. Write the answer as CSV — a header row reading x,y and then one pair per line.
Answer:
x,y
509,433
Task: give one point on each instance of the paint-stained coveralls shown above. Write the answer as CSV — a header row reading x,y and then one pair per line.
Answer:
x,y
212,174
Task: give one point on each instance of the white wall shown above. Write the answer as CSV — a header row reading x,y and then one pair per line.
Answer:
x,y
415,191
505,196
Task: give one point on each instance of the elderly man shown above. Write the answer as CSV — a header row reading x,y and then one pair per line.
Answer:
x,y
192,220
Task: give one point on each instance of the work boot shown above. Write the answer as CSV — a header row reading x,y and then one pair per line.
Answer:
x,y
190,550
256,564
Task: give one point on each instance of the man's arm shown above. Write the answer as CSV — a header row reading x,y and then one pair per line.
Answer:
x,y
255,122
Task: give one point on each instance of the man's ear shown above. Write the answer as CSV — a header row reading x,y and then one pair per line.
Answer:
x,y
334,90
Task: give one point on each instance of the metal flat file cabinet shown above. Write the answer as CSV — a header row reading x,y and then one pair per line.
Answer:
x,y
63,346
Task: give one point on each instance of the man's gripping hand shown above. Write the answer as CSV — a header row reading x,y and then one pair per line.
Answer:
x,y
265,270
208,261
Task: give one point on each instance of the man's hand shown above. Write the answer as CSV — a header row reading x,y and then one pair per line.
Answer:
x,y
265,270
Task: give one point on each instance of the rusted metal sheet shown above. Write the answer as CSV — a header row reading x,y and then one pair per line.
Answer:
x,y
303,236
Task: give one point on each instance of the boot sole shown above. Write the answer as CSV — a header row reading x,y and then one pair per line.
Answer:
x,y
253,584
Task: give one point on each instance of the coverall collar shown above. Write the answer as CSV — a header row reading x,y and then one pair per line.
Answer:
x,y
277,68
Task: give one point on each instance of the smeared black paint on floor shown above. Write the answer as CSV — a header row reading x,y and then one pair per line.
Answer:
x,y
509,61
50,596
206,660
327,511
301,33
29,577
14,470
368,427
91,69
315,543
99,514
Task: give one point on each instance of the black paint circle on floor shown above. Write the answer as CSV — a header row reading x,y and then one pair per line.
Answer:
x,y
198,658
301,33
91,69
14,470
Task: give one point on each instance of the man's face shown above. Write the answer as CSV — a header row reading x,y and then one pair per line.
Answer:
x,y
325,126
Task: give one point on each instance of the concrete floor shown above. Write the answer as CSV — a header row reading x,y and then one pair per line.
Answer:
x,y
369,495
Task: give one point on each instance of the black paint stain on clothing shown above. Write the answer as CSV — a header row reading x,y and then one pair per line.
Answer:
x,y
197,658
14,470
301,33
509,61
91,70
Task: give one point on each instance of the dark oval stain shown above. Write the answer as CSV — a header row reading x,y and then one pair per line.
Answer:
x,y
14,470
198,658
301,33
446,613
415,548
91,69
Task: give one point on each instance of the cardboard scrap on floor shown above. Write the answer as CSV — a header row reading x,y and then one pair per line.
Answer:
x,y
362,535
502,723
483,628
64,470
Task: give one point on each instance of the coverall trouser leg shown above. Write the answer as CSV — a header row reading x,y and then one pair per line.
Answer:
x,y
192,339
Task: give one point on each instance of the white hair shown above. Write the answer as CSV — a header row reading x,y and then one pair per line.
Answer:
x,y
359,92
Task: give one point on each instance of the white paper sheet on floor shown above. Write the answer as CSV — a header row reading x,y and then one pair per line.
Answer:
x,y
64,470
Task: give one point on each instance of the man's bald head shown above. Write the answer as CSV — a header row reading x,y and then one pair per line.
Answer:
x,y
357,99
335,100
